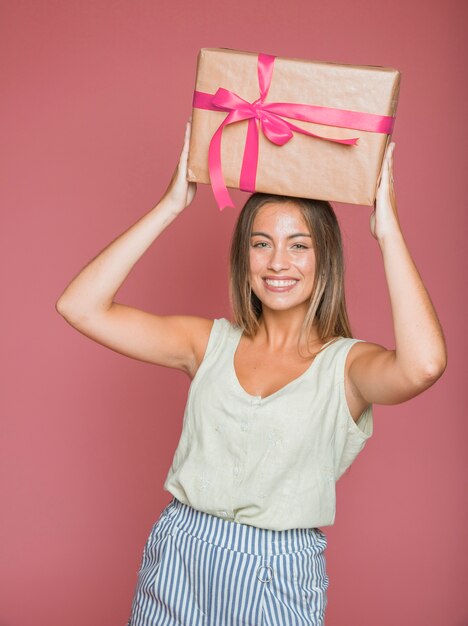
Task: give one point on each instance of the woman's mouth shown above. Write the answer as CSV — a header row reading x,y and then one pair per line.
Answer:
x,y
279,285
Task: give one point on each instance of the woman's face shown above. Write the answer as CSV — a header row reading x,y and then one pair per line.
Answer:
x,y
282,257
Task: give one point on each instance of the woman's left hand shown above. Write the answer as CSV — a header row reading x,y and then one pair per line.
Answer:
x,y
384,218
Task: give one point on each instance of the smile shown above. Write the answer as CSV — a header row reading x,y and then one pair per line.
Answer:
x,y
279,285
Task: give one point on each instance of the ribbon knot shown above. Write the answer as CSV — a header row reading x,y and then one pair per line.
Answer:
x,y
257,110
270,118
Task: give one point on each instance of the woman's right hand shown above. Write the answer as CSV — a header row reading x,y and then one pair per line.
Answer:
x,y
180,191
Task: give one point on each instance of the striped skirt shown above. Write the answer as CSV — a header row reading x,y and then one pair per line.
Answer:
x,y
201,570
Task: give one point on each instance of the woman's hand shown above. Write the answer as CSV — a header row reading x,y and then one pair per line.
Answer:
x,y
180,192
384,218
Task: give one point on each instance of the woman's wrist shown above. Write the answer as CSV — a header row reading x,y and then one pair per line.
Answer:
x,y
391,238
169,206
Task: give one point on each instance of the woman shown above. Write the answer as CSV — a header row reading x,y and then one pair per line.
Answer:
x,y
279,406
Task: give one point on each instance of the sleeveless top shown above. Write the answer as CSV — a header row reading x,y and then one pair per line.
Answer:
x,y
269,462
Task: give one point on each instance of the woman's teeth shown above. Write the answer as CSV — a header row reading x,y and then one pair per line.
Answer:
x,y
280,283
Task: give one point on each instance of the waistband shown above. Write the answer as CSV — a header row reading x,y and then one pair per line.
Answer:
x,y
242,537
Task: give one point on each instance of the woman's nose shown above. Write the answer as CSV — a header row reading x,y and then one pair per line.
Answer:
x,y
278,259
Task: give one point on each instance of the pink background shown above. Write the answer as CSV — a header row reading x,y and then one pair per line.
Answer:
x,y
95,95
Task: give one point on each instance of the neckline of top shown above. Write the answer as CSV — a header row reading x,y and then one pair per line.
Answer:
x,y
258,398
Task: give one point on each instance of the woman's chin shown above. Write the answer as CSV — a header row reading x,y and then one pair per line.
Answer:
x,y
284,306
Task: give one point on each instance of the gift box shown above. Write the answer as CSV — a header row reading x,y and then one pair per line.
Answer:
x,y
289,126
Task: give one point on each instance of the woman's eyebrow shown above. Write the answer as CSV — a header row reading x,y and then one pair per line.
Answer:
x,y
288,237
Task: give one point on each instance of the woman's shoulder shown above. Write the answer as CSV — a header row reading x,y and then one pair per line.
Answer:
x,y
361,347
200,328
350,349
206,333
359,352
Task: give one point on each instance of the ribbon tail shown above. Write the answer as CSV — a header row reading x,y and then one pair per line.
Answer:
x,y
265,66
220,192
333,117
352,141
250,161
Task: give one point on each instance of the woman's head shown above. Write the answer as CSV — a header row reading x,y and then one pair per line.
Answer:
x,y
319,270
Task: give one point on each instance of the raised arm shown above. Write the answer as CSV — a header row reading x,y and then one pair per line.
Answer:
x,y
378,375
88,301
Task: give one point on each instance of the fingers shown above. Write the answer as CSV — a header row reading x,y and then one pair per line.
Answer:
x,y
387,169
390,150
188,128
185,149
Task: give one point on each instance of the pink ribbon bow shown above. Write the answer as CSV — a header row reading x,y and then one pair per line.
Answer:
x,y
270,117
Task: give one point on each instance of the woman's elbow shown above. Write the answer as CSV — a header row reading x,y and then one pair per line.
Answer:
x,y
431,371
435,369
66,310
61,307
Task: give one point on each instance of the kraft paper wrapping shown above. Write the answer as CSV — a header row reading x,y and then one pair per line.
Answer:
x,y
304,167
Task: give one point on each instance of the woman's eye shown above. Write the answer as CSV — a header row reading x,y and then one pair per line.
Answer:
x,y
262,244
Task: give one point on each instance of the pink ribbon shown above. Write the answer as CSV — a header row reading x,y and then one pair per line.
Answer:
x,y
270,117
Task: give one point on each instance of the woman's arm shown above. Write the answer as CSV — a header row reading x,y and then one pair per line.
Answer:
x,y
88,301
385,376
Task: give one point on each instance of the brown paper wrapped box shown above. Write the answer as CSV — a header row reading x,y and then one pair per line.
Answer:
x,y
305,166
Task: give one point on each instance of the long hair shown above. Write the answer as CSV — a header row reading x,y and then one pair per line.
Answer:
x,y
327,306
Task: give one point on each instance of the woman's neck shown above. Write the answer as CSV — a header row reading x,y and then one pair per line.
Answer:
x,y
280,330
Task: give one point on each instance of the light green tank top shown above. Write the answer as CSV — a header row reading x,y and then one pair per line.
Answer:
x,y
269,462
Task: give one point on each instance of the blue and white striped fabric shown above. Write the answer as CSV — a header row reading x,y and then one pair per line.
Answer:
x,y
201,570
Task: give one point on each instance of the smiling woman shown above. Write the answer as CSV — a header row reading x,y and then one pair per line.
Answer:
x,y
280,265
279,405
274,233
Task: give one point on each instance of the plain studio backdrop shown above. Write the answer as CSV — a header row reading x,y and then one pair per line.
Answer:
x,y
94,98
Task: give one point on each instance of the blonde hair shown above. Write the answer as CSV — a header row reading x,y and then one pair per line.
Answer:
x,y
327,307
